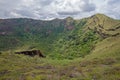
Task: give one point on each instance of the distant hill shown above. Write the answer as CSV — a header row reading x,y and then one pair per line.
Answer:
x,y
59,38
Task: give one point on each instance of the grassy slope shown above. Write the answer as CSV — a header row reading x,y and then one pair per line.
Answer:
x,y
102,63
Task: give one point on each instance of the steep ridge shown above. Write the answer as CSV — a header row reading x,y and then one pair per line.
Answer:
x,y
87,32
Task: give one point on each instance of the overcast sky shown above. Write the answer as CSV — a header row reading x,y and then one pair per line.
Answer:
x,y
50,9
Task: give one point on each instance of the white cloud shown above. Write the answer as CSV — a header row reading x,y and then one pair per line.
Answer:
x,y
7,6
109,7
112,8
48,9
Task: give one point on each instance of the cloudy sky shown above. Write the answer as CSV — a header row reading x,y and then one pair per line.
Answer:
x,y
50,9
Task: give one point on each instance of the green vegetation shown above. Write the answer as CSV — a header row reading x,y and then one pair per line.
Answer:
x,y
75,45
86,49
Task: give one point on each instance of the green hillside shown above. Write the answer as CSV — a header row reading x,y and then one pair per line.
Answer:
x,y
85,49
22,34
86,34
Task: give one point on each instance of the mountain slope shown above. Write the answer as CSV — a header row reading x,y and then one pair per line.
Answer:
x,y
58,38
28,32
87,33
